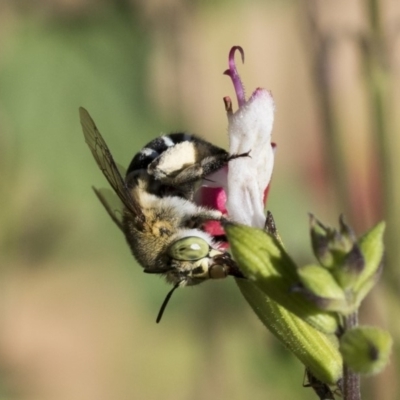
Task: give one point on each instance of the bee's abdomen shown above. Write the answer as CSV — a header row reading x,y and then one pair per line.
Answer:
x,y
155,148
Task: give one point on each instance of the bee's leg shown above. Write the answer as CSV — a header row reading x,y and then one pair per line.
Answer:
x,y
197,219
233,268
213,163
196,171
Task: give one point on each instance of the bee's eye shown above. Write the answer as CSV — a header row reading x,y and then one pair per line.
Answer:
x,y
189,249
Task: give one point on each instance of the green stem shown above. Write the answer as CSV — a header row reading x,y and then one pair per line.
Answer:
x,y
351,380
321,44
378,81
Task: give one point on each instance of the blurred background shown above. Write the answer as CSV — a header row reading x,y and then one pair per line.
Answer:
x,y
77,315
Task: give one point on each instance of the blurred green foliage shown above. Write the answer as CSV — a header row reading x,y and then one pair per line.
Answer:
x,y
53,227
78,313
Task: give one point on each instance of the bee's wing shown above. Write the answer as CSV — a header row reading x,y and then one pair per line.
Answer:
x,y
106,163
112,204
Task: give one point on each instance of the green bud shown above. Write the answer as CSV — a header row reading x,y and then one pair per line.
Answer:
x,y
320,236
316,350
331,247
321,288
263,260
346,234
366,350
350,269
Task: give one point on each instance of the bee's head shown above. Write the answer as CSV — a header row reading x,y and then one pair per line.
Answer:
x,y
194,258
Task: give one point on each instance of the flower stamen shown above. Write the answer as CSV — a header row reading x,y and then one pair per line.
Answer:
x,y
228,105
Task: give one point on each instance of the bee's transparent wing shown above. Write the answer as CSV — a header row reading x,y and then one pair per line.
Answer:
x,y
106,163
112,204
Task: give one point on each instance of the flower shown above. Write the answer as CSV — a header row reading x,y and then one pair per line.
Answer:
x,y
249,129
240,190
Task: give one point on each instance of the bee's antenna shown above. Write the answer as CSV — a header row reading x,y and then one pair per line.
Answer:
x,y
165,302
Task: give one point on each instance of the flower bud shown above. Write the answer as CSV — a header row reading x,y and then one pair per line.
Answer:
x,y
330,245
366,350
320,242
350,269
354,265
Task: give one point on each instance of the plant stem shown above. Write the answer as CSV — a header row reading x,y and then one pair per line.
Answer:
x,y
351,380
379,83
321,389
321,44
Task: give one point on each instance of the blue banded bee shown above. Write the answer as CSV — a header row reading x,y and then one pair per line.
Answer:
x,y
160,221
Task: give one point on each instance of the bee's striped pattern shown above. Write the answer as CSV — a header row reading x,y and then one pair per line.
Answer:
x,y
160,220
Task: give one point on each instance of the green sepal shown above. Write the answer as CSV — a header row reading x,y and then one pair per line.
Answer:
x,y
320,242
372,248
366,349
348,271
320,287
316,350
331,246
320,281
263,260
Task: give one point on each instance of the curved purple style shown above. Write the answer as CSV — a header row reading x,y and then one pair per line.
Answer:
x,y
233,74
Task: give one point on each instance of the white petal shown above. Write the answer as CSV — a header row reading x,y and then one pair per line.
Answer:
x,y
250,128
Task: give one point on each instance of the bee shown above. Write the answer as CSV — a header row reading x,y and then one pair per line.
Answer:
x,y
160,220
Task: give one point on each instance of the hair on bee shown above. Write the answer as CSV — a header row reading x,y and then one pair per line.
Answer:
x,y
163,226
